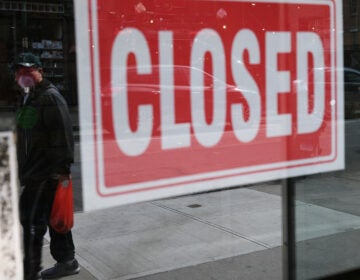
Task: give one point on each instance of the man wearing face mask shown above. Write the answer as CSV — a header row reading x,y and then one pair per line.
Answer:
x,y
45,150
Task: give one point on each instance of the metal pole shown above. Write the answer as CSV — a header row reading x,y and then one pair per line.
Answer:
x,y
289,240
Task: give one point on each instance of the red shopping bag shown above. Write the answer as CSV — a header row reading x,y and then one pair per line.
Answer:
x,y
62,212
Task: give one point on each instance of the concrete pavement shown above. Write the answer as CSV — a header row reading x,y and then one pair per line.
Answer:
x,y
229,234
238,231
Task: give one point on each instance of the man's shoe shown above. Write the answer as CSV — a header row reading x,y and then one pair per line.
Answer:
x,y
61,269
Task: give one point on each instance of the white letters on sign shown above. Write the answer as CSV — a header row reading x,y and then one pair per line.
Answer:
x,y
246,40
310,122
124,135
209,134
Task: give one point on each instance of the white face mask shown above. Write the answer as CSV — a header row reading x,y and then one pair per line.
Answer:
x,y
26,81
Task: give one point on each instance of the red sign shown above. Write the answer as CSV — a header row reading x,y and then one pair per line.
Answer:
x,y
196,95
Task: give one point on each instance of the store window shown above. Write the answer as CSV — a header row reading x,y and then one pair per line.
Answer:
x,y
6,43
235,232
47,30
326,215
353,7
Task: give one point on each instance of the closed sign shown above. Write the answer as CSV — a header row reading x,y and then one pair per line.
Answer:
x,y
189,96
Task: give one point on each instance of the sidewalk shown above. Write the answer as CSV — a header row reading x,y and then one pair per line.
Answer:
x,y
147,238
225,235
236,231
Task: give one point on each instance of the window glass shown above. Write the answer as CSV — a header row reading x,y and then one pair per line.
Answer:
x,y
210,233
327,221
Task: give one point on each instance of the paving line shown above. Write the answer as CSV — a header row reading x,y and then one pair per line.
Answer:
x,y
225,229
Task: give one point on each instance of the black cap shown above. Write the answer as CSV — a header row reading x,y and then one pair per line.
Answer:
x,y
28,59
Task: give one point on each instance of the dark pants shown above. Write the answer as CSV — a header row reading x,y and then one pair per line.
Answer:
x,y
35,206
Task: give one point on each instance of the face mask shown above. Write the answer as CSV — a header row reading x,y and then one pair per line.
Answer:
x,y
26,81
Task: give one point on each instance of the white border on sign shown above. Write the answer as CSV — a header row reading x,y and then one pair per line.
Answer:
x,y
91,142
